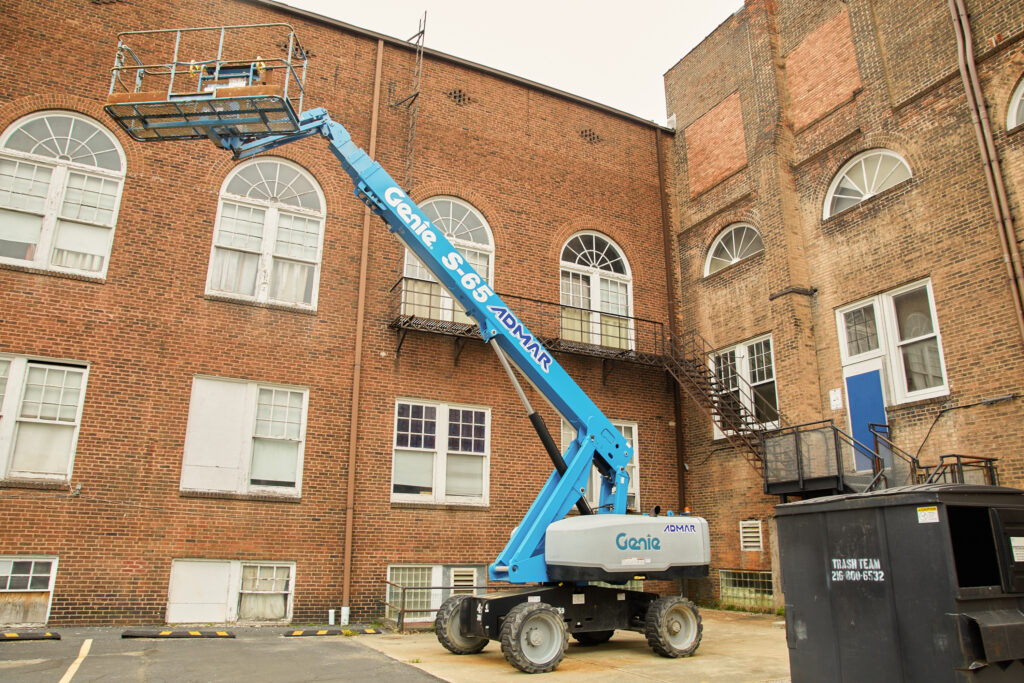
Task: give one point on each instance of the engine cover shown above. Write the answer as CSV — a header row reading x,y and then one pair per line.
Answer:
x,y
618,547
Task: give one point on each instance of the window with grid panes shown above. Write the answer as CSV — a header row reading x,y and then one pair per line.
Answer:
x,y
900,330
862,177
61,177
441,453
264,592
593,495
468,231
40,417
595,292
746,376
244,437
269,236
26,589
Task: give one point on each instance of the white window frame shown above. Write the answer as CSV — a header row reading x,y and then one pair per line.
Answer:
x,y
888,354
445,306
438,496
1014,121
61,171
268,238
10,409
53,559
726,232
248,431
568,435
748,527
594,277
234,588
743,370
837,179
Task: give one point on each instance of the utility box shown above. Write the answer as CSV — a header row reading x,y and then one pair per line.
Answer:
x,y
918,583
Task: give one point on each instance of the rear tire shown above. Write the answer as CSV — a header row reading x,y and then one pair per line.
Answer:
x,y
534,637
593,637
673,627
448,629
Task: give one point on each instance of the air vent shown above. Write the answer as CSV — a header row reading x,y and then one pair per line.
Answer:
x,y
750,535
459,96
590,136
463,581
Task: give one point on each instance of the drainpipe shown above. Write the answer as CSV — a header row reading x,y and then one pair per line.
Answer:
x,y
357,366
989,156
673,311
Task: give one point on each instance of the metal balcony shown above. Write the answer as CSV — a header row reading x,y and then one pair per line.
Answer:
x,y
422,305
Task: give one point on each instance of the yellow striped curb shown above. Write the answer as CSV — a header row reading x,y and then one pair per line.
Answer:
x,y
331,632
29,635
167,633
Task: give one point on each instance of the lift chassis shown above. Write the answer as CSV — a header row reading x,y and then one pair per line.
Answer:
x,y
236,104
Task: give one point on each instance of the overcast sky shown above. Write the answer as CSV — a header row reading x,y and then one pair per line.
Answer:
x,y
614,53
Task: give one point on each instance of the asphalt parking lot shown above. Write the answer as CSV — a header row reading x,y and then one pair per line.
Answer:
x,y
736,648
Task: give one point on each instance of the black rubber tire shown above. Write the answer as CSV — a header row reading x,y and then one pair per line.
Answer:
x,y
593,637
534,637
673,627
448,632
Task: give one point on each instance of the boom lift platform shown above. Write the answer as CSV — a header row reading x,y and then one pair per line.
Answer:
x,y
207,86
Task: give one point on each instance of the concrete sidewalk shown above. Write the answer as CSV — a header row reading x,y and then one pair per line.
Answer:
x,y
736,648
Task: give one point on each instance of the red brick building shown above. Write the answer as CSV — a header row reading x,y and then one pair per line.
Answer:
x,y
199,356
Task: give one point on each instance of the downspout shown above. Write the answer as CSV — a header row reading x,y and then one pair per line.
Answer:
x,y
673,311
357,367
990,158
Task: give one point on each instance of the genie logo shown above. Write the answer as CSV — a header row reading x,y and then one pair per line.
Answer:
x,y
526,340
625,542
685,528
394,196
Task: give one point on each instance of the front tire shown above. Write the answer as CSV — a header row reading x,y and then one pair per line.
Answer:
x,y
534,637
673,627
448,629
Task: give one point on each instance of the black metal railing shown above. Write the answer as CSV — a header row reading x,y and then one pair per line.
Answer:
x,y
904,468
418,304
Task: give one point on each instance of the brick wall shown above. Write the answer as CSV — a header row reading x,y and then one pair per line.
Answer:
x,y
513,151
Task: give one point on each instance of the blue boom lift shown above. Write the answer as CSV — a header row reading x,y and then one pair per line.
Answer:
x,y
248,106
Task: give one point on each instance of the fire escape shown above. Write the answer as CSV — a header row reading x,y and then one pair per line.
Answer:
x,y
804,460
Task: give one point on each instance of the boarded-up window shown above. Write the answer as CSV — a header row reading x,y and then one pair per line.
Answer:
x,y
218,591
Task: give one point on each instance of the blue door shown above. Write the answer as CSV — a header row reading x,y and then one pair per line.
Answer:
x,y
867,406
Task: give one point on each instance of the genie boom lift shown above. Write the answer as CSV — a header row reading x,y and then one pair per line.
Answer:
x,y
249,104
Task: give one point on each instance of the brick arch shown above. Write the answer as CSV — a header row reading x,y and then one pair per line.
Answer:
x,y
330,176
904,146
434,188
562,235
748,215
23,106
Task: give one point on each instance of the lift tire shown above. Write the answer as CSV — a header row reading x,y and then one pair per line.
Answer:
x,y
593,637
534,637
449,632
673,627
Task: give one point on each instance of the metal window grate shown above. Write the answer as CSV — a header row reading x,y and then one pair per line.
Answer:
x,y
746,589
750,535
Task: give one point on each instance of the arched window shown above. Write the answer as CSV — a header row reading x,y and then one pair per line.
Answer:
x,y
732,245
596,292
61,176
467,230
1015,114
269,236
864,176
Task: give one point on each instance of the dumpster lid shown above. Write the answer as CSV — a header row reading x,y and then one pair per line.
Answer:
x,y
974,494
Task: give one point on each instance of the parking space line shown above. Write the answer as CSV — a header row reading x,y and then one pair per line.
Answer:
x,y
82,653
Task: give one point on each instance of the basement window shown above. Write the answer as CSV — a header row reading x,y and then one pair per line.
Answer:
x,y
26,588
746,589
